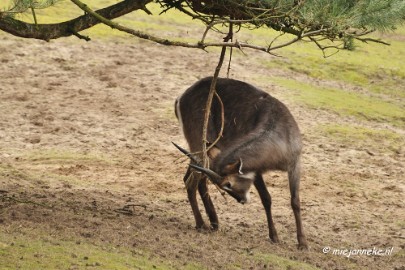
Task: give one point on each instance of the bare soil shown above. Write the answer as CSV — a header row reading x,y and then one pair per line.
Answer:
x,y
86,153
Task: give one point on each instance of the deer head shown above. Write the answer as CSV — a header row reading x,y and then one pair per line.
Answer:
x,y
231,178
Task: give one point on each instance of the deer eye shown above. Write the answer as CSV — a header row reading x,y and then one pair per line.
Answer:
x,y
228,185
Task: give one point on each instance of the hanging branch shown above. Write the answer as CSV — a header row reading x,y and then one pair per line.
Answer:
x,y
208,105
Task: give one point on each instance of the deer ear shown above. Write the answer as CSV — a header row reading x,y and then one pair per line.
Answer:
x,y
235,167
214,152
240,166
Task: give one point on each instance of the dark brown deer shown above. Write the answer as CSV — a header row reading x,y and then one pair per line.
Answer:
x,y
259,135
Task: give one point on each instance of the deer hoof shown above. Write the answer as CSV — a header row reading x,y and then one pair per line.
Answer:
x,y
202,227
214,226
274,239
303,246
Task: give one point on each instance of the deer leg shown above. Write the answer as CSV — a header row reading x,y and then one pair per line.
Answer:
x,y
294,181
266,201
191,186
209,206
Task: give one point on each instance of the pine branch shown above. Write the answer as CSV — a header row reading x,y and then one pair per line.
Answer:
x,y
340,17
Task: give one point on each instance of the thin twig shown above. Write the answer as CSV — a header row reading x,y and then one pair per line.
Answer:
x,y
324,48
269,49
274,40
34,15
366,40
86,38
12,198
209,26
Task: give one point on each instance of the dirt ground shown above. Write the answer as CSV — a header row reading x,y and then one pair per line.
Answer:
x,y
86,153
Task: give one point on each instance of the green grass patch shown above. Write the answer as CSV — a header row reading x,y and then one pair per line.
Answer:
x,y
344,102
378,68
389,81
361,136
39,251
277,262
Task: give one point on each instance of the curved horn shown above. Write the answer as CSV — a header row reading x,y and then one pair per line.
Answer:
x,y
184,151
215,178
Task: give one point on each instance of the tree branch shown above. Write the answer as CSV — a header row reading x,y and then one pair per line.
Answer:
x,y
68,28
213,13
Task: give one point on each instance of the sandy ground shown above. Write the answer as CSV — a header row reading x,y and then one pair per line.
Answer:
x,y
85,137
